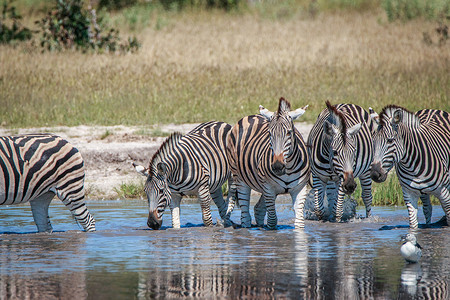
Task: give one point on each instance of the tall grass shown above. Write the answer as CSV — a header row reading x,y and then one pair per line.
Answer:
x,y
220,66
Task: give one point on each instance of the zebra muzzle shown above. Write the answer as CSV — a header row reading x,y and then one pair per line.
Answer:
x,y
377,173
349,184
153,221
278,166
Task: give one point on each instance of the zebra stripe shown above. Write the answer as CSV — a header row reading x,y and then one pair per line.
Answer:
x,y
418,145
34,168
341,150
267,154
195,162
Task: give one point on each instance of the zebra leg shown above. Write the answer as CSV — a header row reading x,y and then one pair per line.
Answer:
x,y
269,198
411,200
74,199
444,198
260,211
39,208
298,201
217,197
366,193
426,207
319,188
205,203
339,204
243,196
175,210
232,197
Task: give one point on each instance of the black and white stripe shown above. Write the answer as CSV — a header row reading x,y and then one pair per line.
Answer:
x,y
418,145
341,150
195,162
34,168
267,154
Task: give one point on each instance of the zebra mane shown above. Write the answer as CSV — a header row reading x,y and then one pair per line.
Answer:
x,y
165,147
337,118
283,107
388,111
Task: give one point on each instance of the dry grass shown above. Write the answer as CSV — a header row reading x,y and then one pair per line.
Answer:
x,y
203,66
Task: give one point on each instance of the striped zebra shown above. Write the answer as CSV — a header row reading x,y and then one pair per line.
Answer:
x,y
267,154
418,145
195,162
341,150
34,168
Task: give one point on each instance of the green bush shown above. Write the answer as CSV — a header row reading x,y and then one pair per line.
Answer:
x,y
69,26
410,9
180,4
116,4
15,31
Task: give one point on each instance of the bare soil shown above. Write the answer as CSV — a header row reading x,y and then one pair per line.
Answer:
x,y
109,151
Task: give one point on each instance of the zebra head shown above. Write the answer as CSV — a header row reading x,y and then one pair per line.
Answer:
x,y
342,147
281,133
158,193
157,184
388,147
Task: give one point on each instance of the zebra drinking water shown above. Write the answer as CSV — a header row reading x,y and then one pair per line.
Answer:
x,y
267,154
341,150
35,168
418,145
195,162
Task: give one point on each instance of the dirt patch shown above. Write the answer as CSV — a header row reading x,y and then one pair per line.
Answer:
x,y
109,151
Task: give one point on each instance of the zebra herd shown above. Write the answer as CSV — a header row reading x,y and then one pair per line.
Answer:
x,y
264,153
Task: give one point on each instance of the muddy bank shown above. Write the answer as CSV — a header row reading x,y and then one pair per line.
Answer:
x,y
108,151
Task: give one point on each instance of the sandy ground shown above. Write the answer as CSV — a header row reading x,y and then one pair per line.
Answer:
x,y
109,151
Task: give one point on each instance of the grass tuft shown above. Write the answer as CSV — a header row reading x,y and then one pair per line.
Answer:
x,y
388,193
130,190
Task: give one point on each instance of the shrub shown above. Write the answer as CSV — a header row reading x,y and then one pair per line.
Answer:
x,y
410,9
15,31
180,4
69,26
116,4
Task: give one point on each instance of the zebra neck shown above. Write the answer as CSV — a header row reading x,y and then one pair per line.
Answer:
x,y
291,158
409,137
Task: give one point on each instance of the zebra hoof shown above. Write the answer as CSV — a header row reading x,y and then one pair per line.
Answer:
x,y
272,227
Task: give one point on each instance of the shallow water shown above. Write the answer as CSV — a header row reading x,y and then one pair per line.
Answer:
x,y
123,259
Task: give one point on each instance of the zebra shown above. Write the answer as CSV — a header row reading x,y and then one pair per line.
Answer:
x,y
195,162
418,145
35,168
340,145
267,154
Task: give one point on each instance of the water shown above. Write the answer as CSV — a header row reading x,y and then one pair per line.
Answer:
x,y
124,259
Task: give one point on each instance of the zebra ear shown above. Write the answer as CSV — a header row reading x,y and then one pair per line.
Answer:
x,y
162,169
397,118
298,112
141,170
265,112
329,128
374,116
354,129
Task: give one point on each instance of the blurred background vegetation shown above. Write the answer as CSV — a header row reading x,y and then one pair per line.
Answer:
x,y
176,61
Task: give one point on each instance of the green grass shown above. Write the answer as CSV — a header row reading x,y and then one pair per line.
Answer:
x,y
212,65
131,190
388,193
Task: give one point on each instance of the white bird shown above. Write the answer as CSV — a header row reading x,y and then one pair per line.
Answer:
x,y
410,250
